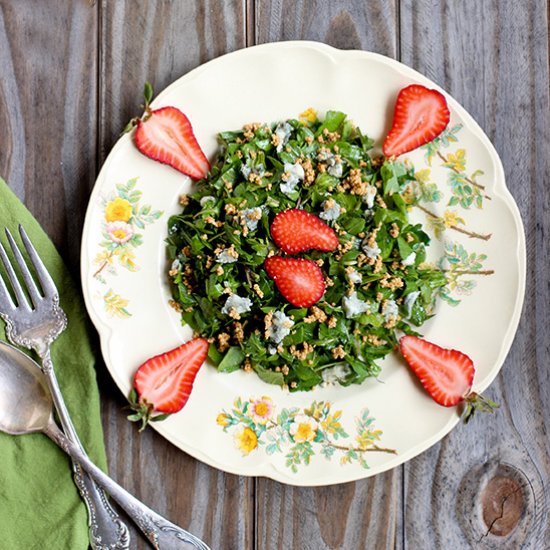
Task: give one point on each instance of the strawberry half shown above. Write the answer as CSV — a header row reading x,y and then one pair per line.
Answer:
x,y
300,281
166,135
163,383
296,230
420,116
446,374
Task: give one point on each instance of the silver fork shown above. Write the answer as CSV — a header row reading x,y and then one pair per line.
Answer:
x,y
35,327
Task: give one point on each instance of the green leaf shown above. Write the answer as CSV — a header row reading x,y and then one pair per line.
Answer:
x,y
232,360
147,93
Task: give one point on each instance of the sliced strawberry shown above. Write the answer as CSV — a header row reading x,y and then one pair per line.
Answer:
x,y
300,281
420,116
166,135
163,383
446,374
296,231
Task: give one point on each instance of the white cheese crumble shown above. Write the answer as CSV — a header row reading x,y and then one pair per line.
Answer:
x,y
354,306
410,300
369,196
224,257
257,169
390,310
176,265
207,198
355,277
372,252
251,217
280,327
282,131
293,174
237,303
334,165
331,212
409,260
332,375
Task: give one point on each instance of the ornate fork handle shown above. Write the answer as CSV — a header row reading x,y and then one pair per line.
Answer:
x,y
162,534
107,531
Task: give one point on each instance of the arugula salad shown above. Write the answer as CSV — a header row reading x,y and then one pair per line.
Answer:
x,y
377,283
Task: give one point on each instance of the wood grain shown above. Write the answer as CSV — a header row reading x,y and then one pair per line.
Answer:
x,y
365,514
71,76
48,112
486,485
159,42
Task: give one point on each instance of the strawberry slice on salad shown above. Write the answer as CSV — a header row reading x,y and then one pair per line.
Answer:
x,y
163,384
166,135
296,230
300,281
446,374
420,115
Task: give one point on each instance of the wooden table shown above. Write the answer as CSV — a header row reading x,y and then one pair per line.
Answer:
x,y
71,76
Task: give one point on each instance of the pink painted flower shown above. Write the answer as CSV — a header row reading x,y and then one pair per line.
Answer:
x,y
120,232
260,410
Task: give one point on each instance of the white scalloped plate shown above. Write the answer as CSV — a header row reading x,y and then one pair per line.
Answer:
x,y
127,292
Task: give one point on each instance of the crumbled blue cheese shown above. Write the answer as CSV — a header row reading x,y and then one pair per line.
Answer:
x,y
207,198
236,303
355,277
337,170
410,300
224,257
251,217
335,374
354,306
282,131
334,163
372,252
331,210
257,169
409,260
176,265
390,310
293,174
280,327
369,196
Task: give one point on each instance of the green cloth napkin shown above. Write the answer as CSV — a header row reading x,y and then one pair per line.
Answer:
x,y
40,507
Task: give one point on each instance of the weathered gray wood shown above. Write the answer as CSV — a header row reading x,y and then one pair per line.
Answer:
x,y
71,75
486,485
159,42
48,112
362,515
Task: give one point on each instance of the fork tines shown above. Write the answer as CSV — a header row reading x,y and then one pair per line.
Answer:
x,y
48,289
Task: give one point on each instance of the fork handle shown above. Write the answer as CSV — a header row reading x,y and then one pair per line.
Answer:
x,y
162,534
106,529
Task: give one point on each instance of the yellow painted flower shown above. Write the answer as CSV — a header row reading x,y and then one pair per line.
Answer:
x,y
246,440
304,428
451,218
423,176
260,410
120,232
222,420
457,161
118,210
309,115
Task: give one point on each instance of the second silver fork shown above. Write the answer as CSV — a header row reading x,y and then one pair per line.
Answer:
x,y
35,327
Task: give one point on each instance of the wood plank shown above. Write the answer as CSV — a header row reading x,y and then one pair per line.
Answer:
x,y
486,485
159,42
364,514
48,112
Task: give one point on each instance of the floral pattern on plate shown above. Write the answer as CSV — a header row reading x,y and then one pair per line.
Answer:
x,y
123,219
300,433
